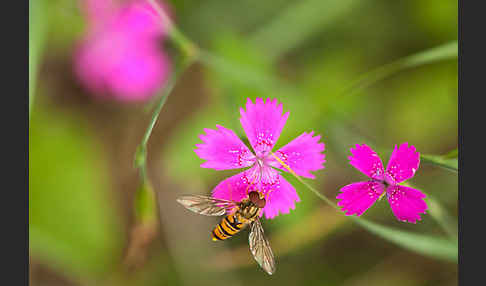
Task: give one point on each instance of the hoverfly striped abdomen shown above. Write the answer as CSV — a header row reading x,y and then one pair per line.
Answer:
x,y
228,227
246,211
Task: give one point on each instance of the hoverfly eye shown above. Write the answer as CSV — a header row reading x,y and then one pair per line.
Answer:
x,y
260,203
253,196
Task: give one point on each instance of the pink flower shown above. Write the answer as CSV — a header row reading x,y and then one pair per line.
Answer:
x,y
120,55
262,122
406,203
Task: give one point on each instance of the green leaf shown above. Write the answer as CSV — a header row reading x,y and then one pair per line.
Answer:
x,y
424,244
36,41
73,225
451,154
443,52
444,161
439,53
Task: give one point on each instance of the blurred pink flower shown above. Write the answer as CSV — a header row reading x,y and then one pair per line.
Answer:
x,y
262,122
406,203
120,56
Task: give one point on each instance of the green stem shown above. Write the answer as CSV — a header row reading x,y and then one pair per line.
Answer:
x,y
316,192
190,52
141,154
187,46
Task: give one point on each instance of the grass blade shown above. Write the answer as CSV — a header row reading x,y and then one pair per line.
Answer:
x,y
439,53
437,247
444,161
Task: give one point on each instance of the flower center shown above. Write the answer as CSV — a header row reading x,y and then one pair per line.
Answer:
x,y
262,170
389,179
260,161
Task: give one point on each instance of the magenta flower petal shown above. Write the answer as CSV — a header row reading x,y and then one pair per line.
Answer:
x,y
120,55
406,203
112,63
141,20
140,73
367,161
281,197
223,150
263,123
403,164
356,198
234,188
302,155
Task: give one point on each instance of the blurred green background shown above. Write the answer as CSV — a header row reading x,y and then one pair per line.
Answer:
x,y
83,184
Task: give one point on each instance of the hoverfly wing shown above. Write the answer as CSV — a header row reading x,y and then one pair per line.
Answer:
x,y
260,248
206,205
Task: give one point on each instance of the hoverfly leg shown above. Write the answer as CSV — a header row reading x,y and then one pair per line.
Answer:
x,y
267,194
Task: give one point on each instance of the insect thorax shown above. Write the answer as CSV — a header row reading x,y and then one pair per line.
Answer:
x,y
247,210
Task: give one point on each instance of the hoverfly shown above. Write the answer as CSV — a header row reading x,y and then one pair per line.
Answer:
x,y
239,215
